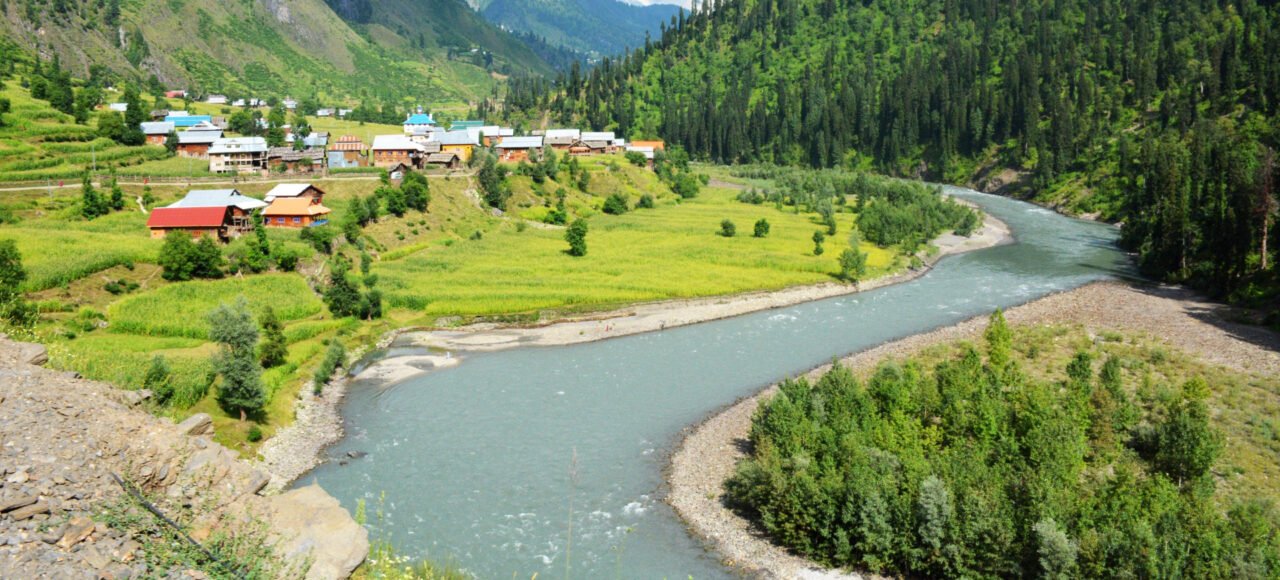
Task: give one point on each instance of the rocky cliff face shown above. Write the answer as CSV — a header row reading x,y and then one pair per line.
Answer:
x,y
61,440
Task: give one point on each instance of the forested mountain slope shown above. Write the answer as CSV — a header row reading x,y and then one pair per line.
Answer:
x,y
1158,114
272,47
593,27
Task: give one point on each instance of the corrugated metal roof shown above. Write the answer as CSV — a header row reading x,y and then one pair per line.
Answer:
x,y
598,136
442,157
288,190
455,138
239,145
563,133
530,142
219,198
199,137
187,217
394,143
157,128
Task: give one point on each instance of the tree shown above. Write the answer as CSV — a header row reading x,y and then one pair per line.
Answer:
x,y
818,238
274,348
1057,552
646,202
853,261
92,204
171,142
616,204
111,126
416,191
999,341
13,309
183,259
341,295
4,108
493,183
134,115
117,194
576,235
1266,205
762,228
727,229
934,512
207,258
1186,444
233,328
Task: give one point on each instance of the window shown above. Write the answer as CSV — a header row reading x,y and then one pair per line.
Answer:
x,y
279,220
297,220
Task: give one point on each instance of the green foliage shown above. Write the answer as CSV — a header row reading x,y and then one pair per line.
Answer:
x,y
233,328
727,229
274,348
616,204
92,203
576,236
761,228
645,202
159,380
343,297
14,309
637,158
183,259
335,357
416,191
493,182
818,239
970,470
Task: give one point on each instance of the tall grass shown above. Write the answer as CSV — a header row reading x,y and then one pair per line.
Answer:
x,y
54,255
180,309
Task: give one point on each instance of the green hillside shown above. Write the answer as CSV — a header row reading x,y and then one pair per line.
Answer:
x,y
1161,115
595,27
299,48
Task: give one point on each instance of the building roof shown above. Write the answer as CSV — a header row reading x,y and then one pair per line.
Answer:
x,y
187,217
420,119
290,190
647,151
289,154
464,125
655,144
203,137
592,144
157,128
292,206
456,138
560,140
348,143
209,125
394,143
187,120
442,157
531,142
219,198
598,136
424,130
431,147
238,145
563,133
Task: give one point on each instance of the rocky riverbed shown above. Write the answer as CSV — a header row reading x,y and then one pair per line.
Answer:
x,y
710,451
62,441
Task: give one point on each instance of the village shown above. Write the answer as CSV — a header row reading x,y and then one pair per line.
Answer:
x,y
423,145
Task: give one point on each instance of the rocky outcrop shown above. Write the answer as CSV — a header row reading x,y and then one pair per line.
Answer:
x,y
61,440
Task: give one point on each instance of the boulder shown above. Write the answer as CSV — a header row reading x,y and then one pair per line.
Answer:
x,y
32,354
310,523
198,424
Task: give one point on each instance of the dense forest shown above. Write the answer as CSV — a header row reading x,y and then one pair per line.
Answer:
x,y
1119,108
988,466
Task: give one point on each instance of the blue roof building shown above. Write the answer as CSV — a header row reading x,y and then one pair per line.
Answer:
x,y
420,119
184,121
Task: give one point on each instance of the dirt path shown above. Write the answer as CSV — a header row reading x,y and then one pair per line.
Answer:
x,y
710,451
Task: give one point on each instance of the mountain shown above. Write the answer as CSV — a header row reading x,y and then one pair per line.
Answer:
x,y
281,47
1162,115
593,27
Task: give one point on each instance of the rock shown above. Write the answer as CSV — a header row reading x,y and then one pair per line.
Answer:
x,y
32,354
29,511
135,398
19,478
78,529
309,523
198,424
13,504
356,454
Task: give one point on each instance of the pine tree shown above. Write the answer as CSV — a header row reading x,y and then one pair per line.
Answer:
x,y
274,348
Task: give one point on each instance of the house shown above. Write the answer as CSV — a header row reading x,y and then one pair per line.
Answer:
x,y
388,150
606,137
561,139
289,104
448,160
425,134
488,134
655,145
236,218
238,155
157,132
396,172
295,190
175,94
182,119
295,161
197,221
459,142
581,147
516,149
295,212
316,140
351,150
342,113
326,112
159,114
196,144
216,100
119,107
417,120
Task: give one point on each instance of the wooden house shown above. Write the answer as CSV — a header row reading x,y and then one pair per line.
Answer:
x,y
517,149
447,160
295,190
295,212
196,141
351,151
295,161
156,132
389,150
561,139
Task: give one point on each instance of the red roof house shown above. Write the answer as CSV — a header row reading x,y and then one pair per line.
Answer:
x,y
197,221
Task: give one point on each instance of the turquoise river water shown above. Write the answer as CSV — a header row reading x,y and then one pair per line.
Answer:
x,y
488,464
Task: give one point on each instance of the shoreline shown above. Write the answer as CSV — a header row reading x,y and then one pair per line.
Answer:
x,y
708,452
300,447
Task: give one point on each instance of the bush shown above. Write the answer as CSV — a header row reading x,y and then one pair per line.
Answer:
x,y
646,202
727,229
334,358
255,433
762,228
183,259
616,204
637,158
576,235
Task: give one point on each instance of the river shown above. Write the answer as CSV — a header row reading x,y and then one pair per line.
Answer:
x,y
549,460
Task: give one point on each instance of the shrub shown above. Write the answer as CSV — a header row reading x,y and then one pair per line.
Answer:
x,y
576,236
646,202
616,204
255,433
727,229
762,228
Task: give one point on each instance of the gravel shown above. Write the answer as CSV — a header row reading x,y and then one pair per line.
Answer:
x,y
709,452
